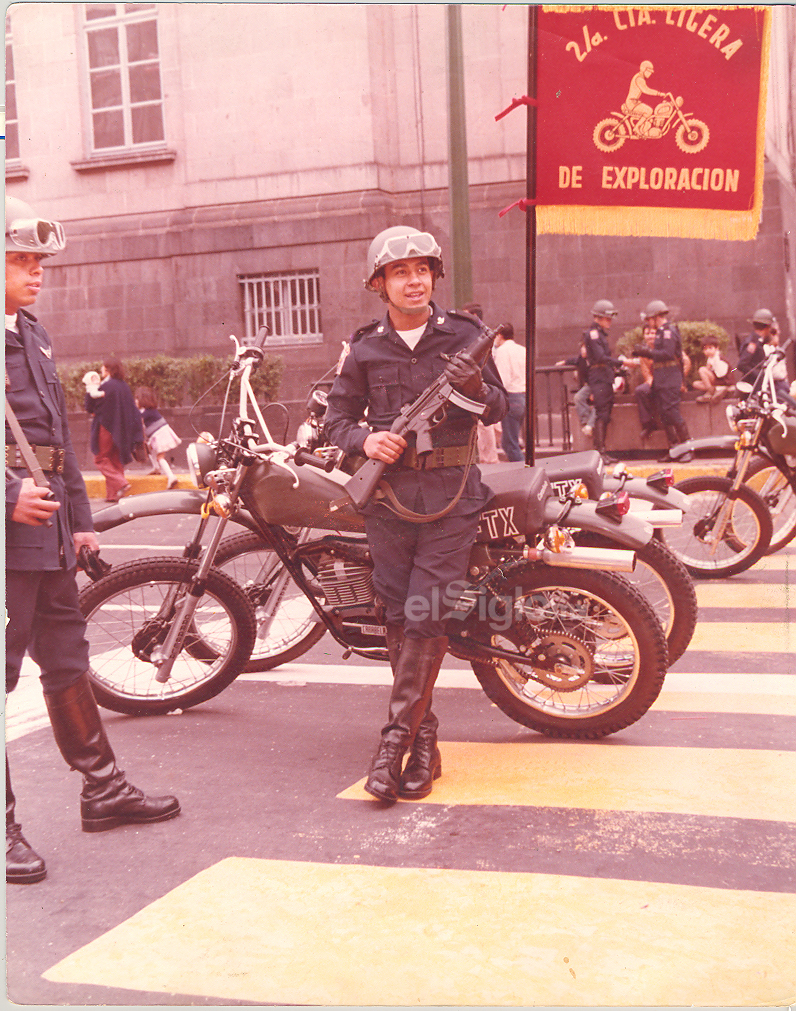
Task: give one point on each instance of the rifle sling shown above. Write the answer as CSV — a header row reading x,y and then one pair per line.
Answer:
x,y
408,514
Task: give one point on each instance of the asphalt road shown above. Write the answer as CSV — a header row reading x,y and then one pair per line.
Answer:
x,y
653,868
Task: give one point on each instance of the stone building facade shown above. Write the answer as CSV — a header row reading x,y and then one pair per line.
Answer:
x,y
221,165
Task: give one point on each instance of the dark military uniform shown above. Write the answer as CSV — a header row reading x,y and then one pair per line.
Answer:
x,y
751,358
602,369
41,592
414,563
667,380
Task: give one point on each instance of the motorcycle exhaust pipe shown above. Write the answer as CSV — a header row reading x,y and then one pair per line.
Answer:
x,y
608,559
656,517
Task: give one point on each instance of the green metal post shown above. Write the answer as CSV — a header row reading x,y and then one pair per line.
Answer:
x,y
458,186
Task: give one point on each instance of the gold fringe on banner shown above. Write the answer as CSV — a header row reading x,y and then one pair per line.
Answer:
x,y
667,222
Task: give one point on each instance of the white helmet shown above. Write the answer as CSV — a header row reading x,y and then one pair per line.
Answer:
x,y
399,243
28,233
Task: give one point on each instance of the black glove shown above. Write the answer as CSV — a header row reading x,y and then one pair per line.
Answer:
x,y
464,375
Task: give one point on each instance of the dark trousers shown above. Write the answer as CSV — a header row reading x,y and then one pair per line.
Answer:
x,y
602,393
510,425
643,394
666,395
420,568
44,619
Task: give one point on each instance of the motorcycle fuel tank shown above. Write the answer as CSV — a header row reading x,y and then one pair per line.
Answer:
x,y
294,496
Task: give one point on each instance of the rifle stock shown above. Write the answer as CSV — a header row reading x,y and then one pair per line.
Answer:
x,y
414,417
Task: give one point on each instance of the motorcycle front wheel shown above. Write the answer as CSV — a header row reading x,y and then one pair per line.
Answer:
x,y
294,627
720,535
128,615
596,652
775,489
692,136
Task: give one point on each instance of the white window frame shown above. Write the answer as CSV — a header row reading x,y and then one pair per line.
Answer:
x,y
119,20
11,85
288,303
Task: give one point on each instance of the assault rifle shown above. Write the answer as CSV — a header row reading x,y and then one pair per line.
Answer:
x,y
425,412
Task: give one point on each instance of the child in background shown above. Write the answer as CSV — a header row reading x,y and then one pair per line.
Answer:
x,y
713,375
160,436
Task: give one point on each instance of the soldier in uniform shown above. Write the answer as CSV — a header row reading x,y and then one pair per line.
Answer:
x,y
45,528
417,562
753,354
666,354
602,368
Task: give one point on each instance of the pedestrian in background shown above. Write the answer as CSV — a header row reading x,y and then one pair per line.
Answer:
x,y
160,436
45,529
115,427
510,359
666,355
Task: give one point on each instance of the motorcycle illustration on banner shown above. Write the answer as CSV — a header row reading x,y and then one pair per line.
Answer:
x,y
640,121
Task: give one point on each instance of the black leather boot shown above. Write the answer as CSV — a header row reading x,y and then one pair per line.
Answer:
x,y
681,433
415,672
107,799
671,439
23,865
425,761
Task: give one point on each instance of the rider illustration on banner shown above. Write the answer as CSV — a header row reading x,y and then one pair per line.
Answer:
x,y
639,121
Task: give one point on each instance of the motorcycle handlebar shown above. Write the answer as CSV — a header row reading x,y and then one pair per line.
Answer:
x,y
304,456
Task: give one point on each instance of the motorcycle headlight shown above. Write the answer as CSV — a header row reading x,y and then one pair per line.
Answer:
x,y
201,458
733,412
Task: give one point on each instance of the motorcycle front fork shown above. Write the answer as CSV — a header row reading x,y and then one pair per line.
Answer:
x,y
165,656
722,520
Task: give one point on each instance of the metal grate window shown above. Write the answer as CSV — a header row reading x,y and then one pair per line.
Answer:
x,y
12,125
123,62
288,304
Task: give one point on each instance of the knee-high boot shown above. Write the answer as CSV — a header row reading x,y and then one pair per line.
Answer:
x,y
681,434
425,761
416,670
107,799
23,865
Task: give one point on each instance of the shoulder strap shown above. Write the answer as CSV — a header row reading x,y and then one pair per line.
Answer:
x,y
33,465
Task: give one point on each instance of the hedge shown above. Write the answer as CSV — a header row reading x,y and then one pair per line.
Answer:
x,y
692,332
177,382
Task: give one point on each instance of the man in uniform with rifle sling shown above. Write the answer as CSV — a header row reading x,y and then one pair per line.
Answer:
x,y
419,445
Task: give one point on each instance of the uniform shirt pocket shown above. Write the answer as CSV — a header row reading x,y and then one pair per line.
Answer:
x,y
385,390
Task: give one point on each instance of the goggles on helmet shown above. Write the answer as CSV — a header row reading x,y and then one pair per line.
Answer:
x,y
37,235
400,247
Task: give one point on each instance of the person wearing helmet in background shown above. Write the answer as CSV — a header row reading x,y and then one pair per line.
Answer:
x,y
753,355
666,354
45,528
602,369
417,565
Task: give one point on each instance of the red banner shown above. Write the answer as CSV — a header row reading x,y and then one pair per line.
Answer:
x,y
651,120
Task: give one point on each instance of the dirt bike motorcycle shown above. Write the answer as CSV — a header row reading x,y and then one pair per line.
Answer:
x,y
736,519
691,135
559,643
287,626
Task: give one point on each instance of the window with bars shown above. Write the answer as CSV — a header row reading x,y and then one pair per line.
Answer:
x,y
288,304
123,66
12,123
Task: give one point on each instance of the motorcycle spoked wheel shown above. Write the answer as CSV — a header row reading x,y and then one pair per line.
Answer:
x,y
123,627
557,614
667,585
295,627
746,536
775,489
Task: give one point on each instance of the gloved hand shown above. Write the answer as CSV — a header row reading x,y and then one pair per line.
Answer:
x,y
464,375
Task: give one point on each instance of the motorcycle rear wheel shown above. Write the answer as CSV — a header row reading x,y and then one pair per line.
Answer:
x,y
746,537
775,488
668,587
595,619
608,135
295,627
123,626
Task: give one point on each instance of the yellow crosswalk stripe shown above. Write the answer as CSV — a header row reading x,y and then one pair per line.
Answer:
x,y
722,782
779,562
730,594
740,637
284,932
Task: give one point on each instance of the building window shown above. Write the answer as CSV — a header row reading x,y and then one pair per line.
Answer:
x,y
123,67
288,304
12,124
